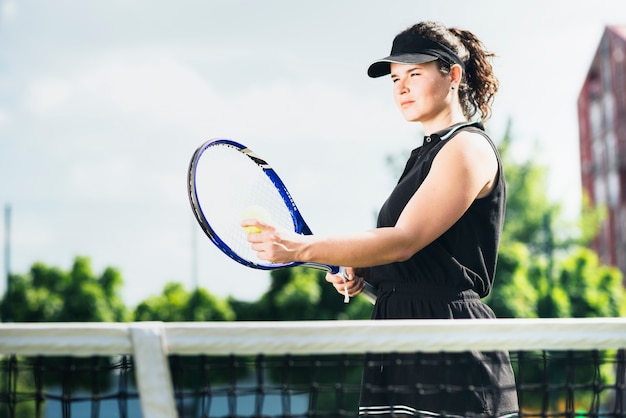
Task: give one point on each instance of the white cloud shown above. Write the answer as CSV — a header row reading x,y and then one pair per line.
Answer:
x,y
5,117
159,87
45,94
8,10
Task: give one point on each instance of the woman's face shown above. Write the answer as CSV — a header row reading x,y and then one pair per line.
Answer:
x,y
421,91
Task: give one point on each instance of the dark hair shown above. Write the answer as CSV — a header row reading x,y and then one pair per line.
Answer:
x,y
479,84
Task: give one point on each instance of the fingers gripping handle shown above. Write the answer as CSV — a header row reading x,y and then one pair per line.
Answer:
x,y
369,291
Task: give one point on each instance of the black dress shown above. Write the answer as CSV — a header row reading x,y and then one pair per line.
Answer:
x,y
445,280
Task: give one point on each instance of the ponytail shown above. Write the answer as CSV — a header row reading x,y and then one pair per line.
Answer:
x,y
481,85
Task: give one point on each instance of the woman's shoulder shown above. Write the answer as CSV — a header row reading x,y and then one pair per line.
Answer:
x,y
470,142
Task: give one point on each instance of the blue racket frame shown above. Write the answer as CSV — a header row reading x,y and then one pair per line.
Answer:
x,y
300,226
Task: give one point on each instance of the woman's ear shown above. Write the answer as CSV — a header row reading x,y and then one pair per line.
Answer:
x,y
456,73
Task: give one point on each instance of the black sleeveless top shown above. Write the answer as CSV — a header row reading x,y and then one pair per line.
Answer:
x,y
460,263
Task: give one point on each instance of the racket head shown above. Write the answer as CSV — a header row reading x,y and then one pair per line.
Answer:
x,y
225,180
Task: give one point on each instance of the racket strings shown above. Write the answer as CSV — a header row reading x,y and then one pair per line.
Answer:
x,y
228,185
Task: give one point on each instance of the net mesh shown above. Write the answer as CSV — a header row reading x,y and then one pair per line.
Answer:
x,y
51,386
236,371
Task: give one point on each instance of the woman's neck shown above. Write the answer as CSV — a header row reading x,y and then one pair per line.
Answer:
x,y
444,120
431,128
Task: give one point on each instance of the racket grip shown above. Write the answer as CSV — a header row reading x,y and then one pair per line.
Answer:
x,y
369,292
346,297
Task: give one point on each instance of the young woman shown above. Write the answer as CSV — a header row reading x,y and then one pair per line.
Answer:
x,y
433,253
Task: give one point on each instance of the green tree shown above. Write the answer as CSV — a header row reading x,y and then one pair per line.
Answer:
x,y
301,294
48,294
514,294
176,304
593,289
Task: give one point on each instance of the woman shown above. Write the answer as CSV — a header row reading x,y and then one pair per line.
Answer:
x,y
433,253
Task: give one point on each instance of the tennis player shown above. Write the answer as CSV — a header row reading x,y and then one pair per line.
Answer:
x,y
433,253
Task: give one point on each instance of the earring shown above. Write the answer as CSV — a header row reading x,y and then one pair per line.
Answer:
x,y
451,87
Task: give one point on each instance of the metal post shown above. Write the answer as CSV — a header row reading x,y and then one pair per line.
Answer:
x,y
7,244
7,257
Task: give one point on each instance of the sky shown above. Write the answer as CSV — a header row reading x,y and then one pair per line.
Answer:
x,y
102,104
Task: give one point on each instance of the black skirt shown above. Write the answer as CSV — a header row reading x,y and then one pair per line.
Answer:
x,y
435,384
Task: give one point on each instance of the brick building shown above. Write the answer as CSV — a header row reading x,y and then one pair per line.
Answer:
x,y
602,124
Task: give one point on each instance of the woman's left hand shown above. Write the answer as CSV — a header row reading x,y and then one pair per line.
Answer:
x,y
353,284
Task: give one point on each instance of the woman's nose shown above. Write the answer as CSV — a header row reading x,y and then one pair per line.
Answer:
x,y
401,87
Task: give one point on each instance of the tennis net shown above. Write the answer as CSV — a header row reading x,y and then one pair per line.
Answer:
x,y
563,367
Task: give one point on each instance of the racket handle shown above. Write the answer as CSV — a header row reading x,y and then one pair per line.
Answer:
x,y
344,275
369,292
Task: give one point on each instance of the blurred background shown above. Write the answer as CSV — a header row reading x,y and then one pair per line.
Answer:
x,y
103,103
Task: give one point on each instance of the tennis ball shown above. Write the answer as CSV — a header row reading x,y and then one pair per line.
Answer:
x,y
251,229
258,212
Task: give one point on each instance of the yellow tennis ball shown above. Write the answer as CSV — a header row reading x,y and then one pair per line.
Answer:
x,y
251,229
258,212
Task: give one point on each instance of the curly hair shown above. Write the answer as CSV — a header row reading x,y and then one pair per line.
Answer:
x,y
479,84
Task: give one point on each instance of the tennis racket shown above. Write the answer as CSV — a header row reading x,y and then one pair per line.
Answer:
x,y
228,182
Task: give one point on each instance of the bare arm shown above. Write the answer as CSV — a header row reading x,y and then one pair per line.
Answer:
x,y
462,171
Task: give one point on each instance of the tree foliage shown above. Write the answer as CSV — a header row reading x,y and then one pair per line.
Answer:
x,y
48,294
301,294
177,304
